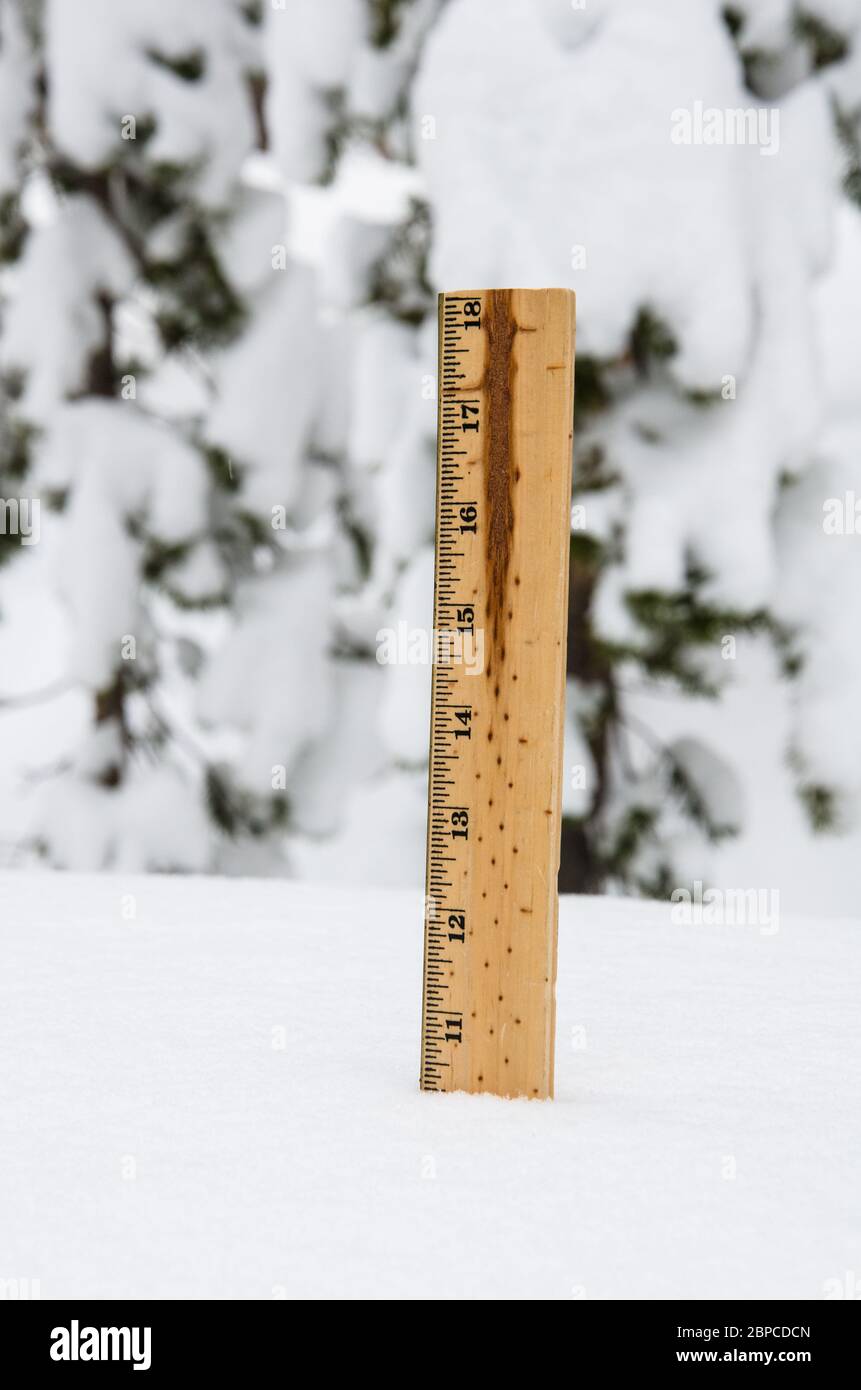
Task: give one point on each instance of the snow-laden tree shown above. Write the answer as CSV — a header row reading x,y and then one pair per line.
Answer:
x,y
241,445
122,180
357,441
223,559
789,49
17,104
563,144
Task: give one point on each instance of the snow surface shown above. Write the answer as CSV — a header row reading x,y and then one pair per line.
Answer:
x,y
218,1098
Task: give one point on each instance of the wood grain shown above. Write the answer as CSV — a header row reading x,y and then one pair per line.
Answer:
x,y
489,999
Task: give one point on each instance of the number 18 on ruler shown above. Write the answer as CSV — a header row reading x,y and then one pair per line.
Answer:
x,y
506,370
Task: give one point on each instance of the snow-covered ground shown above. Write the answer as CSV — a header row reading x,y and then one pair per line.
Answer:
x,y
209,1088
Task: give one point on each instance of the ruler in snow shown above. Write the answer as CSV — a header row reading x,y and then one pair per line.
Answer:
x,y
506,373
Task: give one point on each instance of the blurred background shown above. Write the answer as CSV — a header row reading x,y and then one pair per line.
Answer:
x,y
223,224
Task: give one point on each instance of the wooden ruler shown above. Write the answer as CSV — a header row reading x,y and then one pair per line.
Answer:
x,y
506,370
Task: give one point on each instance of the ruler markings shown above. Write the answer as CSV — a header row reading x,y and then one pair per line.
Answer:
x,y
505,410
